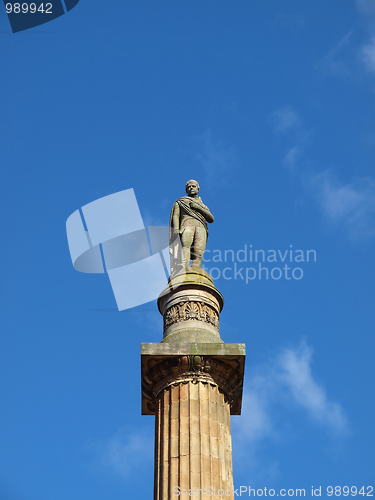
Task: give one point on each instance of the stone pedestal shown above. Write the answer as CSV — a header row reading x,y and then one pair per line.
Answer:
x,y
190,307
192,382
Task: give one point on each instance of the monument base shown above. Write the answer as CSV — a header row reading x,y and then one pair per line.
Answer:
x,y
190,306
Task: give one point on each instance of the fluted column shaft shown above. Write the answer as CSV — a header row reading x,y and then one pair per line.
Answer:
x,y
193,448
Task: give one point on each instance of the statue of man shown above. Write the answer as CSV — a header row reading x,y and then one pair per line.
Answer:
x,y
188,229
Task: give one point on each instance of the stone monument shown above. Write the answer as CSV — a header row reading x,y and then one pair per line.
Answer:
x,y
192,380
188,230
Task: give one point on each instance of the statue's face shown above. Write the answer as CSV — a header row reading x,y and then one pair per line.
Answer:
x,y
192,188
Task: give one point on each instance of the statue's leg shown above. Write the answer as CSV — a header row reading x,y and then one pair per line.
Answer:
x,y
187,240
200,241
175,254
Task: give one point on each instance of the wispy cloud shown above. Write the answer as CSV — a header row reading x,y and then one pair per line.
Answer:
x,y
368,55
293,156
335,62
367,51
294,367
217,161
346,58
255,405
286,378
366,6
276,394
351,204
287,122
125,452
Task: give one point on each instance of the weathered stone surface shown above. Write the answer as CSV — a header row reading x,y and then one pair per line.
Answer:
x,y
190,349
191,305
219,365
192,451
188,229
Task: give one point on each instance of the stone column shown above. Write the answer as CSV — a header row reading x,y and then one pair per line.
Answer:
x,y
192,387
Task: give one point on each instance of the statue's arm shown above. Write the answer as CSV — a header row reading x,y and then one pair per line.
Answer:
x,y
175,220
202,209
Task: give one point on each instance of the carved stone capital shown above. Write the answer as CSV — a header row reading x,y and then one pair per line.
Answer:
x,y
216,364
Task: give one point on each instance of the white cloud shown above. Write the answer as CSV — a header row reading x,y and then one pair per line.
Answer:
x,y
279,392
367,51
295,373
285,120
125,452
352,204
366,6
334,63
292,156
368,55
285,379
255,423
349,204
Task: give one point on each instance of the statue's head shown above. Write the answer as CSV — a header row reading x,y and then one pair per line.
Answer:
x,y
192,187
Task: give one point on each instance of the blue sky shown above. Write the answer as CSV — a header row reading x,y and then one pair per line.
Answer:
x,y
270,106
